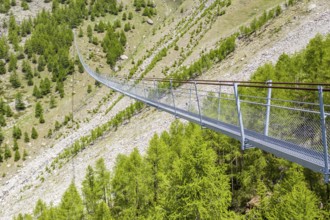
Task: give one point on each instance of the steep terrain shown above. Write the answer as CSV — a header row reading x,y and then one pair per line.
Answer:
x,y
34,179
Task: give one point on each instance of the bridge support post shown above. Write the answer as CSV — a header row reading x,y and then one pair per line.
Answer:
x,y
324,136
173,98
157,94
240,119
144,89
219,97
269,96
189,106
199,108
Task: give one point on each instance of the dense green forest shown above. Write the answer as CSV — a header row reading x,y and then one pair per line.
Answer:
x,y
192,173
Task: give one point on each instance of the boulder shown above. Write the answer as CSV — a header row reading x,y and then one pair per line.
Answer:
x,y
311,7
123,57
149,21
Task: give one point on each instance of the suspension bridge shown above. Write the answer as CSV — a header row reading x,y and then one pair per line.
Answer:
x,y
296,130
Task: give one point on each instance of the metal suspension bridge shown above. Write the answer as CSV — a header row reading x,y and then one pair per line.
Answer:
x,y
295,130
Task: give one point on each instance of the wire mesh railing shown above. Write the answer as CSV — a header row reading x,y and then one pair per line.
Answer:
x,y
297,130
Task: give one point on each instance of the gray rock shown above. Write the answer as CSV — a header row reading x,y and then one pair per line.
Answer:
x,y
311,7
149,21
123,57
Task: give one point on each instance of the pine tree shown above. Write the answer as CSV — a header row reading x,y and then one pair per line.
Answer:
x,y
38,110
17,156
2,68
2,121
2,137
26,137
36,92
15,147
199,189
130,187
41,119
71,206
25,154
130,16
17,133
89,191
52,103
40,210
34,133
103,212
81,33
102,176
14,80
19,104
124,16
7,154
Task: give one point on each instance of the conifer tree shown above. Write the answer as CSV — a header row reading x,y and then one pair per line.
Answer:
x,y
17,133
89,190
52,103
15,147
25,154
2,68
103,212
38,110
17,156
2,137
71,206
19,104
14,80
7,153
34,133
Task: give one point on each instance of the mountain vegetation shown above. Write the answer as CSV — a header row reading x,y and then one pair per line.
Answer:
x,y
192,173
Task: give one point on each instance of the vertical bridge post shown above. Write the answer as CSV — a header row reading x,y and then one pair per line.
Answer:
x,y
324,136
189,106
239,115
269,96
219,97
173,98
199,108
157,94
144,89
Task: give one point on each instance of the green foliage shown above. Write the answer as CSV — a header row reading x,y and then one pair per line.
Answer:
x,y
12,63
26,137
7,153
19,104
34,133
38,110
52,102
130,15
2,137
14,80
71,206
17,156
4,48
2,68
89,88
112,46
17,133
15,147
4,6
257,23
